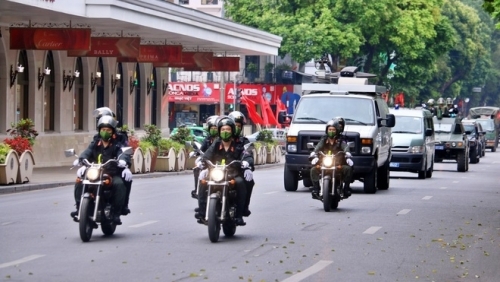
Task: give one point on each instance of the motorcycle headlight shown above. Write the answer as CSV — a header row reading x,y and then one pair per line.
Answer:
x,y
217,174
328,161
92,174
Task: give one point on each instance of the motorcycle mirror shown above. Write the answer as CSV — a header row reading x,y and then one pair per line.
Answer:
x,y
310,145
350,144
69,153
248,146
196,145
127,150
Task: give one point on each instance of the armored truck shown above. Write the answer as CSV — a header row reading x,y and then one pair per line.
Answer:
x,y
451,142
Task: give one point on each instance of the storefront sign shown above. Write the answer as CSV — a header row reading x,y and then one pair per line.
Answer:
x,y
224,64
193,92
252,91
156,54
22,38
194,61
110,47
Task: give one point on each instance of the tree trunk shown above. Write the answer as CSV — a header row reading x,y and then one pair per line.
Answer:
x,y
458,75
369,58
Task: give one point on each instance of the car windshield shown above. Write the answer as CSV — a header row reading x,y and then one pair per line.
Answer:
x,y
404,124
442,127
470,127
323,109
486,124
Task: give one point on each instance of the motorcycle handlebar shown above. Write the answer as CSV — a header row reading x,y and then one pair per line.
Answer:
x,y
210,164
87,163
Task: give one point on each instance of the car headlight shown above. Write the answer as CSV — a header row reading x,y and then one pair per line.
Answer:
x,y
416,149
328,161
92,174
217,174
366,150
291,148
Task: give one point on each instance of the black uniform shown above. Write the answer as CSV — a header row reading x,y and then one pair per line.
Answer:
x,y
242,141
217,153
196,171
96,152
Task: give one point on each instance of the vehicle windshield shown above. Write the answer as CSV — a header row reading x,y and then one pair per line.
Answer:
x,y
470,127
411,125
323,109
486,124
442,127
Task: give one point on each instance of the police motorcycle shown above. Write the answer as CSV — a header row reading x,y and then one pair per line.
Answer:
x,y
332,185
221,197
95,207
195,153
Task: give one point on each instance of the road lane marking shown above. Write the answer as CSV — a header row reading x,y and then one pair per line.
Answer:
x,y
317,267
427,198
144,223
7,223
372,230
19,261
443,187
456,181
269,193
405,211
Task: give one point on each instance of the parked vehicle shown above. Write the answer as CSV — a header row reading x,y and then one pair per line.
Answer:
x,y
451,142
488,113
368,126
199,133
477,142
491,135
413,142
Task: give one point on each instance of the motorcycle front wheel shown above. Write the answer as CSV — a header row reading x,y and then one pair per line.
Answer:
x,y
327,198
229,227
213,219
86,225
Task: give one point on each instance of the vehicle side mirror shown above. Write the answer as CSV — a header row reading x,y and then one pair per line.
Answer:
x,y
69,153
283,118
390,120
482,132
127,150
310,146
428,132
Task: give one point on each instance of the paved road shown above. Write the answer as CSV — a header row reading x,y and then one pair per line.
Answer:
x,y
442,229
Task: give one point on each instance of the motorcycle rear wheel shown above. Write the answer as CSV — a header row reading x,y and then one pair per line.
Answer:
x,y
229,227
108,228
327,198
213,219
86,226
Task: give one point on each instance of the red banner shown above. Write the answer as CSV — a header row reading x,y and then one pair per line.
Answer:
x,y
156,54
194,61
22,38
224,64
194,92
110,47
251,91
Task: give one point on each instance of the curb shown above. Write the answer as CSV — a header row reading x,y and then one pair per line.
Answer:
x,y
10,189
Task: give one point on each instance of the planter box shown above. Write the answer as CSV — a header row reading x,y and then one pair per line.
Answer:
x,y
137,161
146,164
264,154
258,158
181,160
26,164
271,155
166,163
8,170
190,162
278,153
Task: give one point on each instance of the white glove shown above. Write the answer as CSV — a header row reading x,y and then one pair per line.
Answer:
x,y
312,155
81,171
127,174
199,163
248,175
314,161
76,162
349,162
348,155
122,163
192,154
203,174
244,164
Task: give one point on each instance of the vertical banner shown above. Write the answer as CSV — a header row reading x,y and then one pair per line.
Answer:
x,y
22,38
110,47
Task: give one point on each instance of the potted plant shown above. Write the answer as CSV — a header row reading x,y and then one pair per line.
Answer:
x,y
137,157
147,148
153,136
9,164
180,138
268,68
251,71
23,138
165,161
266,138
173,74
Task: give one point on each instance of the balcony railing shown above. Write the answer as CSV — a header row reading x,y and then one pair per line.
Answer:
x,y
260,76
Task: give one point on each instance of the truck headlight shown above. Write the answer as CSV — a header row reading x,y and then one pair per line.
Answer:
x,y
416,149
366,150
217,174
292,148
328,161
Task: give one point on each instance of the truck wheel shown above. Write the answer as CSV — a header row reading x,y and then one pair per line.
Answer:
x,y
494,149
383,176
291,179
428,173
461,162
423,173
473,156
307,182
370,181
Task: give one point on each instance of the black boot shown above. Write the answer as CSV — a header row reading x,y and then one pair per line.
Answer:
x,y
128,186
347,190
74,214
315,190
249,185
196,173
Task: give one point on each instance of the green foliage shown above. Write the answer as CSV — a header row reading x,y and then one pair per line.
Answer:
x,y
4,150
182,135
153,134
268,67
126,129
25,128
146,145
166,144
251,67
266,137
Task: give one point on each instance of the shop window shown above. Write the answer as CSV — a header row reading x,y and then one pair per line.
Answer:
x,y
49,90
22,88
209,2
78,97
184,2
119,96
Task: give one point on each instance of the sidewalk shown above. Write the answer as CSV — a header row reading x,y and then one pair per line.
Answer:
x,y
50,177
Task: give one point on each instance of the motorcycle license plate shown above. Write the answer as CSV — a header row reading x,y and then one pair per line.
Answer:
x,y
439,147
393,164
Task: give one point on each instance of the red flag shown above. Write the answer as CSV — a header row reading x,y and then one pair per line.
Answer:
x,y
263,113
252,112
